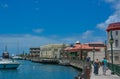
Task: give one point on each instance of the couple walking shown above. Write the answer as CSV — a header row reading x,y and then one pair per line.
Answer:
x,y
97,64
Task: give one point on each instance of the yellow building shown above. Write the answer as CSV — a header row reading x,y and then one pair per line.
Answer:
x,y
51,51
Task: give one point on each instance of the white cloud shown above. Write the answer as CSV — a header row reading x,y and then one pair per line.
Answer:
x,y
38,30
111,0
25,42
4,5
87,36
37,9
68,39
115,17
36,1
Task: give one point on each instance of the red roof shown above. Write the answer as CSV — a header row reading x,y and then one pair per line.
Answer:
x,y
80,47
114,26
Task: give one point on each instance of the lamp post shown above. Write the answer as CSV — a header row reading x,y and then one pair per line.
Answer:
x,y
85,54
105,50
111,41
93,54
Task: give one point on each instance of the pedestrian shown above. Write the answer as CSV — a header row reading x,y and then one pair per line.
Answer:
x,y
104,64
88,59
96,66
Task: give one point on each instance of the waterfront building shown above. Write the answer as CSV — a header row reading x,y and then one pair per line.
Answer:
x,y
81,51
34,51
114,30
98,51
51,51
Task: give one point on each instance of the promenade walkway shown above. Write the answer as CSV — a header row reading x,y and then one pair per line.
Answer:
x,y
101,76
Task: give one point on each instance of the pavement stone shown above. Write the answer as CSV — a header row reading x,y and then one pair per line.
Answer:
x,y
101,76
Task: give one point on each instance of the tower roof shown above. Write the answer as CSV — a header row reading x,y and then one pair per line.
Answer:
x,y
113,26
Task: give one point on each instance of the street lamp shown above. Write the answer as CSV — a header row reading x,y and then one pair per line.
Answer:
x,y
105,50
111,41
93,54
85,54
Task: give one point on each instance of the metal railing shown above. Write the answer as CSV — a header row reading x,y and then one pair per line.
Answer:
x,y
116,68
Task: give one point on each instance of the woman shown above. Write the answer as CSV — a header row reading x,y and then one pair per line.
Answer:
x,y
104,63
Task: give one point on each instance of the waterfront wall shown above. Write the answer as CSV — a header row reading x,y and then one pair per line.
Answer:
x,y
84,66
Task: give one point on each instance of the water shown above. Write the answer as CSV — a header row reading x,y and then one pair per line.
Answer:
x,y
30,70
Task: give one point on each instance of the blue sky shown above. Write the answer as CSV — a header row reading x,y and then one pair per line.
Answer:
x,y
33,23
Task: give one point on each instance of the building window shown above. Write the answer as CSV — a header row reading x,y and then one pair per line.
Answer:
x,y
116,32
116,43
116,58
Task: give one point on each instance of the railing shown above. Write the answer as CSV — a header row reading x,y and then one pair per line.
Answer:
x,y
116,68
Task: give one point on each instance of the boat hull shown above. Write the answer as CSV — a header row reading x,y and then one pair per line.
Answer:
x,y
9,66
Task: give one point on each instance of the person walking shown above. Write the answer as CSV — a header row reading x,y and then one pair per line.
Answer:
x,y
88,59
96,67
104,64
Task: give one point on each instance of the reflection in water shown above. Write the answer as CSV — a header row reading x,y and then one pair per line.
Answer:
x,y
30,70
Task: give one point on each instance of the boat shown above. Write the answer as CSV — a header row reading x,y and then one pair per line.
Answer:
x,y
17,57
8,64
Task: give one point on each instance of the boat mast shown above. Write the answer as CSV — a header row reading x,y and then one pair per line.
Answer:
x,y
18,47
5,48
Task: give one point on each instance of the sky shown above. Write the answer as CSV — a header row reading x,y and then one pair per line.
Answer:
x,y
33,23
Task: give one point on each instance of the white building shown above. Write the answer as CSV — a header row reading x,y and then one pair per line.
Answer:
x,y
114,29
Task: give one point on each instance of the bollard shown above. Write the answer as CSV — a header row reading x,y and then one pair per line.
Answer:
x,y
88,72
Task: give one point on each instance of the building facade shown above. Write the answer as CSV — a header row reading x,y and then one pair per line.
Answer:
x,y
95,50
51,51
114,31
98,51
34,51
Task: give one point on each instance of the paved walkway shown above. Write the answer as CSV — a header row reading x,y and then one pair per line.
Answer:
x,y
101,76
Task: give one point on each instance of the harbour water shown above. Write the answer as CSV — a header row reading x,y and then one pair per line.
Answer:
x,y
30,70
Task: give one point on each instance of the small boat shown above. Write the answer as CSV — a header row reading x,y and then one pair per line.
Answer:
x,y
8,64
17,57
